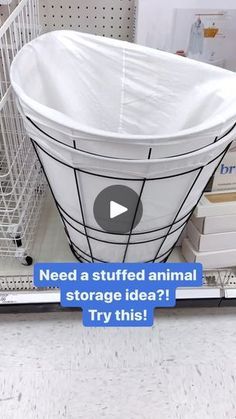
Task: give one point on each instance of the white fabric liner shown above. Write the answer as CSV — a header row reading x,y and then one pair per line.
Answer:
x,y
99,91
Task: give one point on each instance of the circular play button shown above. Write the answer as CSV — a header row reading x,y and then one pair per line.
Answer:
x,y
117,209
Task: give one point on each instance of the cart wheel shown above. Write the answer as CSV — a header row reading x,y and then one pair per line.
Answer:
x,y
27,261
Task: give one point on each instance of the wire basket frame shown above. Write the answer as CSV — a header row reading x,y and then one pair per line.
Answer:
x,y
22,185
159,236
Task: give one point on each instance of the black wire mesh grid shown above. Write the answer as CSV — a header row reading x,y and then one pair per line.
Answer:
x,y
176,226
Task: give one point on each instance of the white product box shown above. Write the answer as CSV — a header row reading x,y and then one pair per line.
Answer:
x,y
216,203
218,224
210,242
209,260
225,176
182,237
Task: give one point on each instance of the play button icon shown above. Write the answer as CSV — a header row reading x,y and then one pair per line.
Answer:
x,y
117,209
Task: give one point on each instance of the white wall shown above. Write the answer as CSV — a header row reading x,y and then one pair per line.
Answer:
x,y
219,50
155,18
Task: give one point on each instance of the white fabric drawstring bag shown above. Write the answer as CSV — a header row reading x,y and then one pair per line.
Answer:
x,y
109,96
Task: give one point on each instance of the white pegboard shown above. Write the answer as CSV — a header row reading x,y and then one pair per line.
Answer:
x,y
111,18
6,8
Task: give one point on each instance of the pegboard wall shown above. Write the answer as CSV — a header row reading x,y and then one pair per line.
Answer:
x,y
111,18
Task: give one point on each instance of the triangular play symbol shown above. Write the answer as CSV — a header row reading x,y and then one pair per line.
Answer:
x,y
116,209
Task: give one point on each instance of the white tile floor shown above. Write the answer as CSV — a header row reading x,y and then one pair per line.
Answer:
x,y
51,367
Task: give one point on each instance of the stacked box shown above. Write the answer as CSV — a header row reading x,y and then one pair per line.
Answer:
x,y
211,233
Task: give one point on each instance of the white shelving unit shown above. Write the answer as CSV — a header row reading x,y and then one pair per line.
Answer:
x,y
111,18
16,281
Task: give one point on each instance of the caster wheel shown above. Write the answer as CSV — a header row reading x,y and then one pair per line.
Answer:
x,y
18,241
28,260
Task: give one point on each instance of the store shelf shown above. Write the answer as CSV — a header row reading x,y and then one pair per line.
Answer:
x,y
45,297
230,293
16,280
29,297
199,293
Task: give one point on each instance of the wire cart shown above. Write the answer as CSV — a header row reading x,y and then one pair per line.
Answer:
x,y
22,185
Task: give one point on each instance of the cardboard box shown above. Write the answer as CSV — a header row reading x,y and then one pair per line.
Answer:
x,y
209,260
218,224
216,203
210,242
